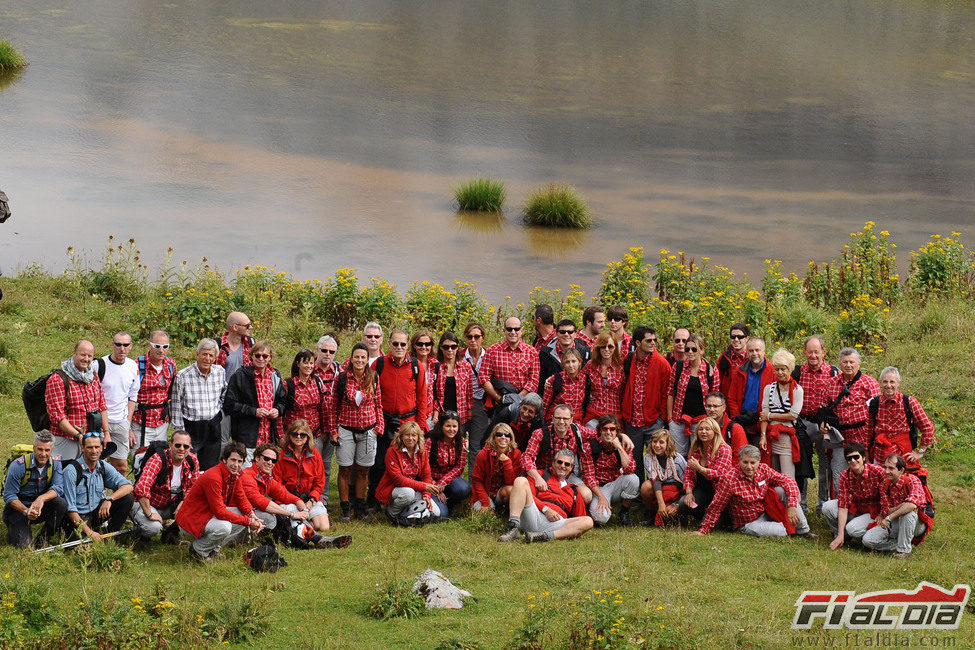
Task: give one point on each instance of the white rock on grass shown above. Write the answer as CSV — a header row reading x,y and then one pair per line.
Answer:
x,y
438,591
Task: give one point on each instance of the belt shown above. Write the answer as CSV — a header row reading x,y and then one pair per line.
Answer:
x,y
847,427
393,416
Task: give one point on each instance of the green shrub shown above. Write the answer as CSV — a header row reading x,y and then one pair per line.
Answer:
x,y
557,206
379,302
865,324
341,299
481,195
396,600
122,277
10,57
237,618
792,321
599,621
626,281
867,265
107,556
535,631
942,266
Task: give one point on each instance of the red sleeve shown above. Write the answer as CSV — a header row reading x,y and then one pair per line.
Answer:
x,y
916,494
148,477
924,424
528,457
332,422
738,438
54,399
421,399
252,493
672,382
190,478
719,465
631,465
280,493
318,476
399,479
665,372
535,371
100,394
377,402
734,395
510,467
242,502
487,369
478,479
789,485
722,496
547,398
690,476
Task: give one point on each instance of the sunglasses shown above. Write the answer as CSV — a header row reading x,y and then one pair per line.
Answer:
x,y
652,339
122,345
608,347
324,351
269,459
373,336
680,340
618,319
512,329
610,428
398,344
261,356
854,457
567,331
177,445
299,434
502,435
690,349
447,346
246,326
160,346
564,463
91,434
424,344
474,337
737,337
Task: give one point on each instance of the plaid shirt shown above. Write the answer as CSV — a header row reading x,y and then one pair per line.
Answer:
x,y
607,467
544,340
623,343
154,391
715,466
814,385
852,409
519,367
309,403
890,431
225,350
463,379
907,488
431,373
328,375
161,496
685,376
197,398
585,338
573,393
745,497
448,464
367,415
861,493
639,369
605,393
410,465
81,399
531,460
265,399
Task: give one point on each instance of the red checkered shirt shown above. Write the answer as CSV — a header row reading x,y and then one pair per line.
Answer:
x,y
745,497
715,466
907,488
891,424
367,415
310,399
81,399
605,393
410,465
463,380
588,340
544,340
154,390
573,394
160,496
852,408
859,493
327,375
623,343
607,467
814,383
431,373
685,376
265,399
531,460
245,353
448,465
519,367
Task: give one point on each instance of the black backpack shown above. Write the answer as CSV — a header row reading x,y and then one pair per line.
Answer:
x,y
873,404
157,448
36,405
264,558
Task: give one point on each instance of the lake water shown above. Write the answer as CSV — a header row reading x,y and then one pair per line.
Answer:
x,y
316,135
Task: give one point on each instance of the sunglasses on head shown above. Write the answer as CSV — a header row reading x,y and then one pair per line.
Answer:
x,y
91,434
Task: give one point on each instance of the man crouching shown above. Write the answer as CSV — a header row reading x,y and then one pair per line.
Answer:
x,y
556,512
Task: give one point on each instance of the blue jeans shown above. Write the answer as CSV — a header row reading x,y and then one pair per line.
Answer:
x,y
457,491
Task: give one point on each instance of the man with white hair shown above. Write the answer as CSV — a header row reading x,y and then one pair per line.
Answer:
x,y
198,402
372,338
895,421
327,369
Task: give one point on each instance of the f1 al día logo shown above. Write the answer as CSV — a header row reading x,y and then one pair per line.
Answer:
x,y
929,607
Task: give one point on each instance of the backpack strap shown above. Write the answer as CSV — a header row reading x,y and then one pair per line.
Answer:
x,y
558,385
340,383
587,393
678,371
100,368
378,366
627,364
911,425
49,471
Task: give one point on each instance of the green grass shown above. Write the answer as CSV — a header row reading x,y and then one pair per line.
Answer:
x,y
736,592
557,206
10,57
481,195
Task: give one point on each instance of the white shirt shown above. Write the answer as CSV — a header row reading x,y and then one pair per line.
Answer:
x,y
120,385
177,482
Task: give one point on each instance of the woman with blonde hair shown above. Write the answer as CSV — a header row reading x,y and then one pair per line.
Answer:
x,y
407,488
781,403
708,459
665,478
496,467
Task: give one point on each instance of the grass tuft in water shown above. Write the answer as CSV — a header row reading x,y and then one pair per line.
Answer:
x,y
10,57
557,206
481,195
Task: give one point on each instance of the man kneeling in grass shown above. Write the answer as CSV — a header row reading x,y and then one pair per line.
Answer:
x,y
761,501
556,512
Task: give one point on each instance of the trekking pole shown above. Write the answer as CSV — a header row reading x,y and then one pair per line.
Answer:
x,y
79,542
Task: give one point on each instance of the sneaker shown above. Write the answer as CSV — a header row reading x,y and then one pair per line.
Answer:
x,y
623,518
334,542
511,536
898,555
534,538
217,555
199,557
811,536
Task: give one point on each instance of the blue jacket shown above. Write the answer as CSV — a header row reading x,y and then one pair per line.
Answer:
x,y
36,485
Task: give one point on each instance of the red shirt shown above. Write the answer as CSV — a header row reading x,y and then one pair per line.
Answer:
x,y
607,468
585,338
519,367
852,409
531,460
367,415
400,393
154,390
305,475
605,393
449,464
490,474
544,340
308,403
573,394
402,470
212,494
622,342
715,466
745,497
81,399
464,381
160,496
560,498
814,383
265,399
645,390
734,361
890,432
907,488
861,494
261,489
739,383
685,376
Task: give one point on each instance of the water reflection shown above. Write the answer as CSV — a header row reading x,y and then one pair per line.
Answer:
x,y
10,77
480,222
556,244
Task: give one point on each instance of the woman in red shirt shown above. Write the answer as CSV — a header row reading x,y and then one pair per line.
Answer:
x,y
572,384
306,395
605,371
421,348
407,488
708,459
301,470
496,467
447,455
452,387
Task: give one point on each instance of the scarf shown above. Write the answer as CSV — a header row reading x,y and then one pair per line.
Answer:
x,y
667,472
74,374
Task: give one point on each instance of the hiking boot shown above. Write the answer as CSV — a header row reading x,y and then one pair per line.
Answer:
x,y
811,536
623,518
513,534
199,557
340,541
346,512
361,511
898,555
534,538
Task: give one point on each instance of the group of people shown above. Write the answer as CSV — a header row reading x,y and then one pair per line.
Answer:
x,y
553,436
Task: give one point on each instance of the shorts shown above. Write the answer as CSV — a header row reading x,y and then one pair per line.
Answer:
x,y
534,520
120,436
356,448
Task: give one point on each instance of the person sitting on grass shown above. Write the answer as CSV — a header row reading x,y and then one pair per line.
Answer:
x,y
165,479
447,454
662,490
34,494
858,503
710,457
761,501
301,471
614,475
557,512
495,469
407,488
903,521
85,483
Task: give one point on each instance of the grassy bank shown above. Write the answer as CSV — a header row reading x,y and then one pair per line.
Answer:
x,y
734,591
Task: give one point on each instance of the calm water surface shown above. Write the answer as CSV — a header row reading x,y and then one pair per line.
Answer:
x,y
316,135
